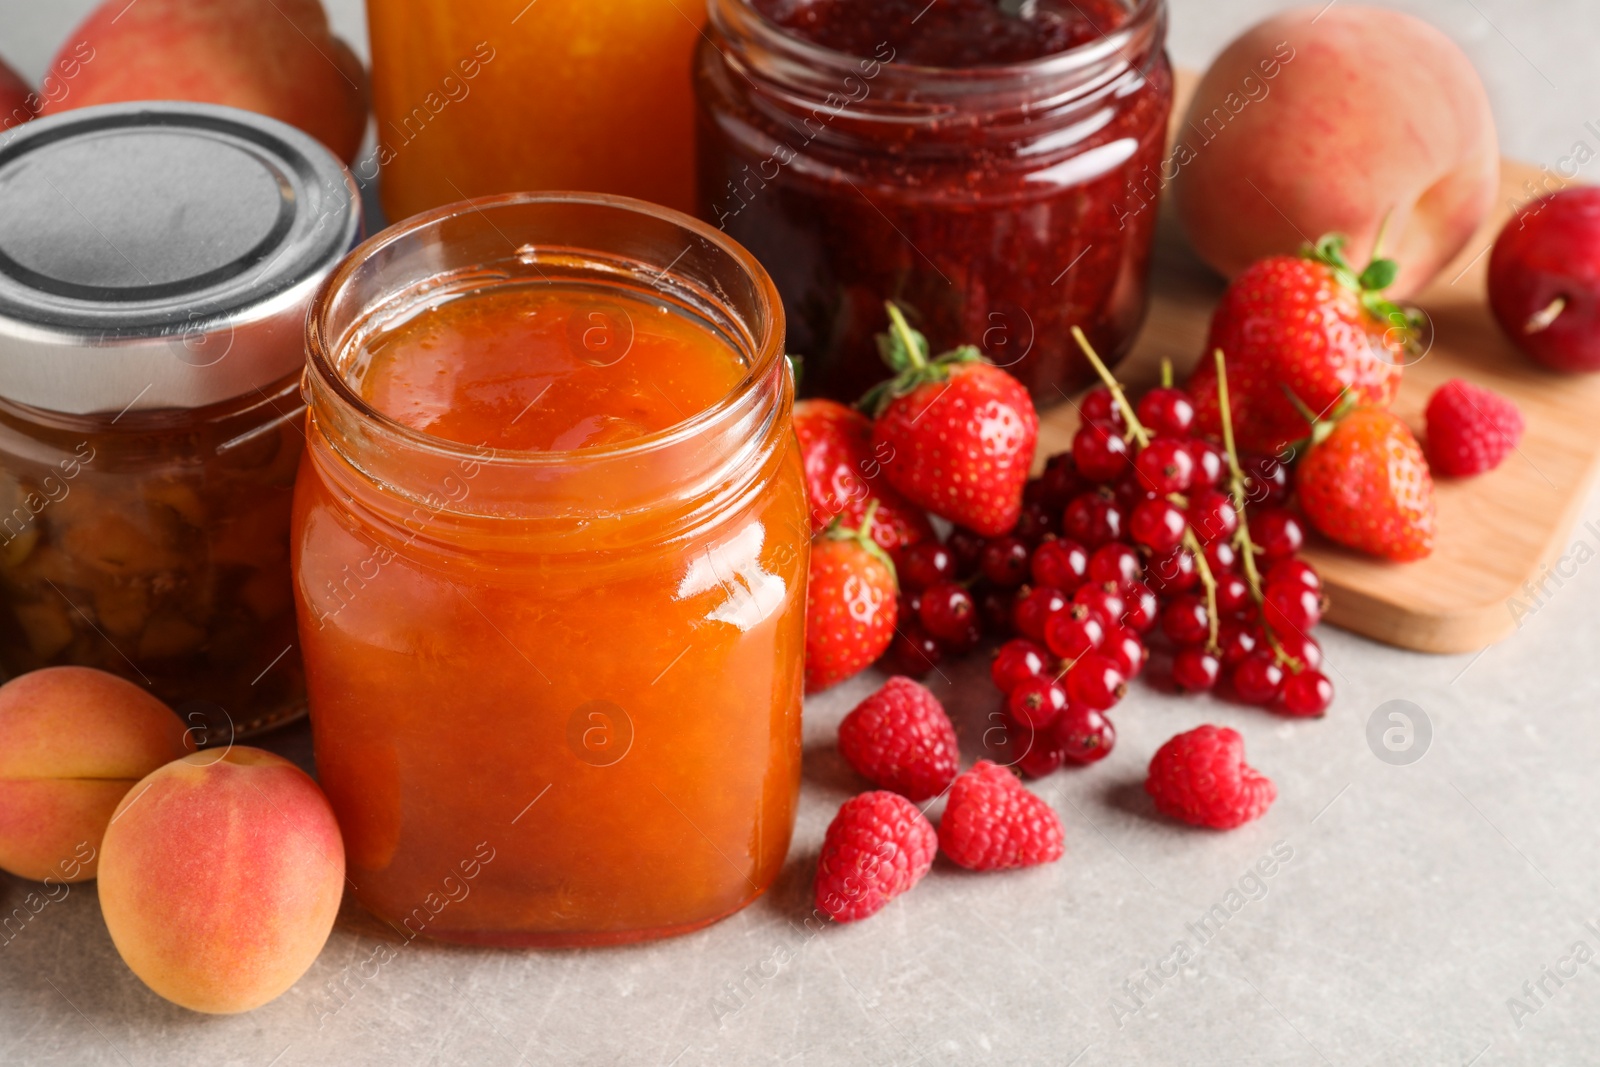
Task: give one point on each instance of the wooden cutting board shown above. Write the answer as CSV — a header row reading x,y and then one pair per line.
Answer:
x,y
1501,535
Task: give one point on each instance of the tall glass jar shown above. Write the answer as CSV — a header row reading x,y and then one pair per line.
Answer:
x,y
156,264
555,694
497,96
1000,202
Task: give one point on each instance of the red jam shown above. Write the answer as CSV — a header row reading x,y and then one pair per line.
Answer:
x,y
993,173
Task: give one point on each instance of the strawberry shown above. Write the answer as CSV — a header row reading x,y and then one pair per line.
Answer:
x,y
1364,483
955,434
843,477
1305,324
851,604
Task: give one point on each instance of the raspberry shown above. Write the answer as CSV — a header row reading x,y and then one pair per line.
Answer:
x,y
1200,777
877,847
992,823
1470,429
899,738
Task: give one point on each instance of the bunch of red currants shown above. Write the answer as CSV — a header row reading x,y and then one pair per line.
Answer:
x,y
1144,543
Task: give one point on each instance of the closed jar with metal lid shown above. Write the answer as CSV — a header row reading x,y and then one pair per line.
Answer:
x,y
156,264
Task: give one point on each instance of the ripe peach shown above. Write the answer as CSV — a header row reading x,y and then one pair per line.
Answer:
x,y
220,878
1310,124
14,93
72,743
276,57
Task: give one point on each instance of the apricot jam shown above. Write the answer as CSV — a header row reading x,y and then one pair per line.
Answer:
x,y
992,166
550,553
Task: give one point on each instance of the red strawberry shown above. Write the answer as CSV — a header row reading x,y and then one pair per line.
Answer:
x,y
877,847
851,604
1365,483
992,822
1470,429
1308,324
954,434
843,476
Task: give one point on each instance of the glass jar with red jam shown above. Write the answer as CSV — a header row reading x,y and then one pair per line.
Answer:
x,y
156,264
990,165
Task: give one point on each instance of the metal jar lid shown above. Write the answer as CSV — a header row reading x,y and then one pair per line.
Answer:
x,y
161,255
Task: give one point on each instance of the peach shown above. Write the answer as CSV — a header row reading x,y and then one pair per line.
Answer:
x,y
1310,124
276,57
15,106
220,878
73,741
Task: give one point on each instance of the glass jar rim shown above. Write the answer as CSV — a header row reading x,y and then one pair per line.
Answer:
x,y
324,349
740,20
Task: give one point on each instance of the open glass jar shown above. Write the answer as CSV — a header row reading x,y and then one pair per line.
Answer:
x,y
550,552
156,264
1000,201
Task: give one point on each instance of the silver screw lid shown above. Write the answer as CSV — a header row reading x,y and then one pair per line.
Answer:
x,y
161,255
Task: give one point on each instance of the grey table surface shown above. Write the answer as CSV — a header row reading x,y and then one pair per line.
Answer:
x,y
1416,907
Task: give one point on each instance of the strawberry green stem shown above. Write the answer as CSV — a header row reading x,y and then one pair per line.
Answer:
x,y
898,323
1247,548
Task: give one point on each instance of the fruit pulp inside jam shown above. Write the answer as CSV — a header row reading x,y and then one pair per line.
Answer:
x,y
948,33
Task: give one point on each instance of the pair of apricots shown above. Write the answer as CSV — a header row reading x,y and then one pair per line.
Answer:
x,y
220,870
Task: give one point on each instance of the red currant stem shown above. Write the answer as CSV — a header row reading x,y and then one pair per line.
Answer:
x,y
1247,548
1543,318
1166,374
1203,568
1136,429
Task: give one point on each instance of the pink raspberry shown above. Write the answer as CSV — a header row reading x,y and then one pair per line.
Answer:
x,y
1200,777
899,738
877,847
1470,429
991,822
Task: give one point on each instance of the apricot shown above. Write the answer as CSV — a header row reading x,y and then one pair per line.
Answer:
x,y
274,57
1333,119
72,743
220,877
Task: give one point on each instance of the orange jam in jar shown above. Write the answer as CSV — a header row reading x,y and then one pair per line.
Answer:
x,y
550,553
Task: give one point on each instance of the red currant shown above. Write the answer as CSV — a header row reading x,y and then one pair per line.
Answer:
x,y
1034,610
1142,610
1125,649
995,608
1210,462
1074,632
1222,557
1060,564
1101,455
1017,661
1291,608
1292,572
1171,572
914,651
1301,647
1116,563
1093,519
1258,679
1059,483
1277,533
948,612
1004,562
1266,480
923,564
1165,466
1037,521
1105,600
1213,516
1100,407
1186,621
1166,412
1237,642
1130,491
1041,759
1158,525
1083,734
1233,595
1305,695
964,642
1095,682
967,549
1194,670
1036,702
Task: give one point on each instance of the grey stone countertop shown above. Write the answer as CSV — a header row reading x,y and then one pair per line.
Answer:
x,y
1406,907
